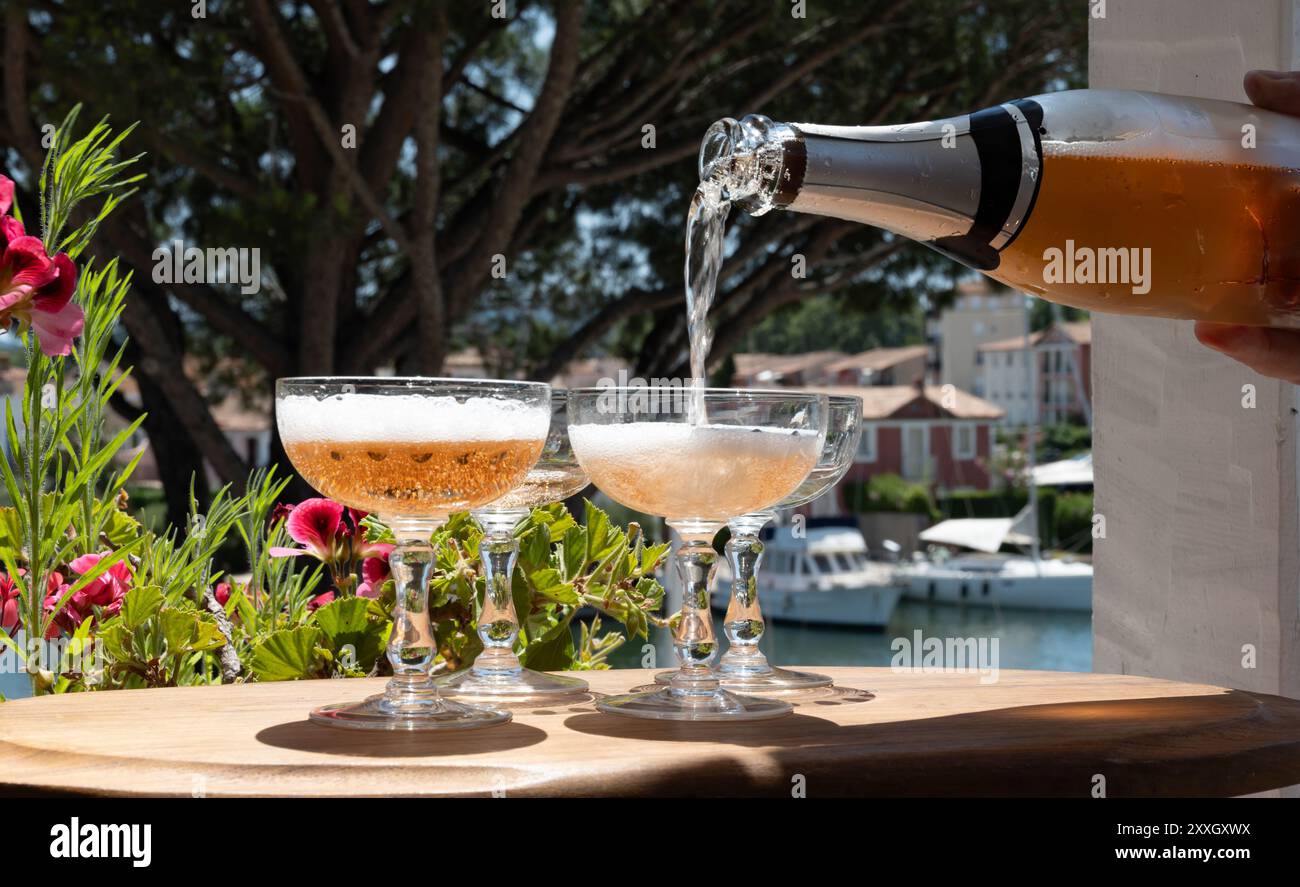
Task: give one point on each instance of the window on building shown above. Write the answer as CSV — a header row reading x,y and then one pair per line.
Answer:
x,y
963,442
867,444
916,450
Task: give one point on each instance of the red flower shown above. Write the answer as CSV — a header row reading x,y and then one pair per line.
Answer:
x,y
9,619
315,524
335,535
319,601
106,590
70,616
222,593
55,589
374,570
363,547
35,289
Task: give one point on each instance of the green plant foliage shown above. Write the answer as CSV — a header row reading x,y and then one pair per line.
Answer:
x,y
151,606
1073,522
61,483
1063,440
890,492
354,631
151,644
288,655
79,170
563,568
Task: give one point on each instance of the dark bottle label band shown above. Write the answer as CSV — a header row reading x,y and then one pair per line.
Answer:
x,y
794,167
1009,144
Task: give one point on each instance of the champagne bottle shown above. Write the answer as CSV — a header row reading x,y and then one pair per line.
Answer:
x,y
1108,200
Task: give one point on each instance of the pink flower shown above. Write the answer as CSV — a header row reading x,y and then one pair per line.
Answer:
x,y
9,620
106,590
35,289
361,546
319,601
334,534
70,617
55,589
314,524
374,570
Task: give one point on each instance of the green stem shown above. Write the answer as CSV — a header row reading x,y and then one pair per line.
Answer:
x,y
35,562
88,444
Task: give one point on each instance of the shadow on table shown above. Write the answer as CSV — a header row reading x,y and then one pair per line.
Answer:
x,y
1215,744
792,730
307,736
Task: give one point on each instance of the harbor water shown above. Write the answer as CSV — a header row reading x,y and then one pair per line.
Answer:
x,y
1044,639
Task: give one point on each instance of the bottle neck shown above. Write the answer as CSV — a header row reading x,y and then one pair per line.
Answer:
x,y
964,185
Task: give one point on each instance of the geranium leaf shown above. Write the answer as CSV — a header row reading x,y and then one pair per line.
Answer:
x,y
121,528
140,604
188,631
347,624
287,655
553,651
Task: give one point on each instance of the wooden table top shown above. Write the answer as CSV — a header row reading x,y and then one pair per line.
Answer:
x,y
1035,733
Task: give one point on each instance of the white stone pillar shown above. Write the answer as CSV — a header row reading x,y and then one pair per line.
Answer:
x,y
1199,491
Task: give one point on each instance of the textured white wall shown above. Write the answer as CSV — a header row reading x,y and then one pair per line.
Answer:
x,y
1199,494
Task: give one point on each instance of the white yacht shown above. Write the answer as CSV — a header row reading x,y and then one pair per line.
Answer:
x,y
822,576
986,578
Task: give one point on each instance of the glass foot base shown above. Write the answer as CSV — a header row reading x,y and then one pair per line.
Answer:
x,y
667,705
769,682
524,685
425,712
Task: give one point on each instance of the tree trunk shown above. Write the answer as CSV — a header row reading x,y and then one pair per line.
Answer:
x,y
177,458
318,317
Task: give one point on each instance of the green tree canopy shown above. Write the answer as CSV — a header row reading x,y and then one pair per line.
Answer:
x,y
387,157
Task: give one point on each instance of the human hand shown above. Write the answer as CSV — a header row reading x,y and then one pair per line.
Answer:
x,y
1271,352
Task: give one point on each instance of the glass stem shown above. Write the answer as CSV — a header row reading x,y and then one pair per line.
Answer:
x,y
744,623
411,647
498,623
694,641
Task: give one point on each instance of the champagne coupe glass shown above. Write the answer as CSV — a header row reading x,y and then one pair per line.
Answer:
x,y
411,451
496,675
744,668
697,458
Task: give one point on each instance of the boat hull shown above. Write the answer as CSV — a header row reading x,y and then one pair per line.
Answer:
x,y
1062,592
867,607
